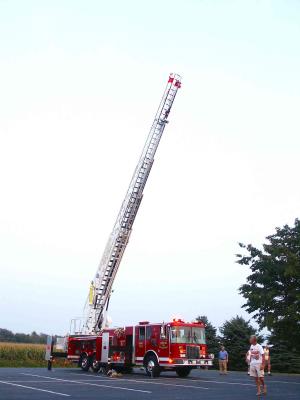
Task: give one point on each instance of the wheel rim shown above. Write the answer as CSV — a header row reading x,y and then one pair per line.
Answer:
x,y
84,362
150,365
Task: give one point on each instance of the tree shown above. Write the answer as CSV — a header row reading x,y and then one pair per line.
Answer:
x,y
22,338
235,335
283,358
272,291
211,335
6,335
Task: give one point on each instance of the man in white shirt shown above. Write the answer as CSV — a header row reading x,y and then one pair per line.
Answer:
x,y
257,364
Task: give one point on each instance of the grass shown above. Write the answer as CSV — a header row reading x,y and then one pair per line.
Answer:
x,y
26,355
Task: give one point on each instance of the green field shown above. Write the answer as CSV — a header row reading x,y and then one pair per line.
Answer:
x,y
26,355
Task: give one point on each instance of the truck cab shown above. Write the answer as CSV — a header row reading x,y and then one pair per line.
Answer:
x,y
176,346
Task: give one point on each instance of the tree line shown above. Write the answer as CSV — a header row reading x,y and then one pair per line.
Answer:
x,y
8,336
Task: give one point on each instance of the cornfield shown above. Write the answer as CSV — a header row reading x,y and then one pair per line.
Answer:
x,y
25,355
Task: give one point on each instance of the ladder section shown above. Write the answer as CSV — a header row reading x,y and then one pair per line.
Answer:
x,y
116,245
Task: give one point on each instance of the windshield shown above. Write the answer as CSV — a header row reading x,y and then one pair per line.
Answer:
x,y
186,334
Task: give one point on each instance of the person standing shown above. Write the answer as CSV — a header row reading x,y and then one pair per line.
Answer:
x,y
223,361
257,364
267,359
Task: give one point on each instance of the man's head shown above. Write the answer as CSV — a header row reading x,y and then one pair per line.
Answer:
x,y
222,348
253,339
266,347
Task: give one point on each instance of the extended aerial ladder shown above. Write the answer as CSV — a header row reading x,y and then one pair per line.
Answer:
x,y
101,289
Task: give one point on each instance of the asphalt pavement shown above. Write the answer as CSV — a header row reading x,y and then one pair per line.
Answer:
x,y
41,384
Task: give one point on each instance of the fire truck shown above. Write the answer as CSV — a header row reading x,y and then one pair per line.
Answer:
x,y
176,345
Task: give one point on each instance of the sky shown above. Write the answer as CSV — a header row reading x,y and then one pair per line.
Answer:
x,y
80,83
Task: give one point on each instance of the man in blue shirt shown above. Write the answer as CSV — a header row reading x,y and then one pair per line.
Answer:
x,y
223,360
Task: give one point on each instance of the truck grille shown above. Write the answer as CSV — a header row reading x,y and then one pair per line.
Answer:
x,y
192,352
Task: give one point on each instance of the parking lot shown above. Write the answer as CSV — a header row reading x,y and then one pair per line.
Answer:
x,y
40,384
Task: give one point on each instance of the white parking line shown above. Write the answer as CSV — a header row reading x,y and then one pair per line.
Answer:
x,y
33,388
218,382
161,383
30,381
233,383
249,384
150,382
207,381
90,384
229,383
270,380
287,382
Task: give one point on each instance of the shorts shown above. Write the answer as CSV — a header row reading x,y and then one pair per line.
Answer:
x,y
256,372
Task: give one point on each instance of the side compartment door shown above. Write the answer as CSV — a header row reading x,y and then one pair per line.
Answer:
x,y
140,343
105,347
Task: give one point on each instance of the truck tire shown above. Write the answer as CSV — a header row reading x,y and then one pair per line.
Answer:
x,y
183,372
84,362
95,364
151,366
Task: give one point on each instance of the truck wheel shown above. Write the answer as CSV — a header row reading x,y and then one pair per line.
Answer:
x,y
84,362
95,364
183,372
151,366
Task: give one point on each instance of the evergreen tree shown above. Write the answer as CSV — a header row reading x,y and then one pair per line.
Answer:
x,y
235,335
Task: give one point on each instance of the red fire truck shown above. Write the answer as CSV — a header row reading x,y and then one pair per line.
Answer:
x,y
178,346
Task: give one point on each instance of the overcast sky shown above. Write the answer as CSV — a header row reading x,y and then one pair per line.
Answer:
x,y
80,82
